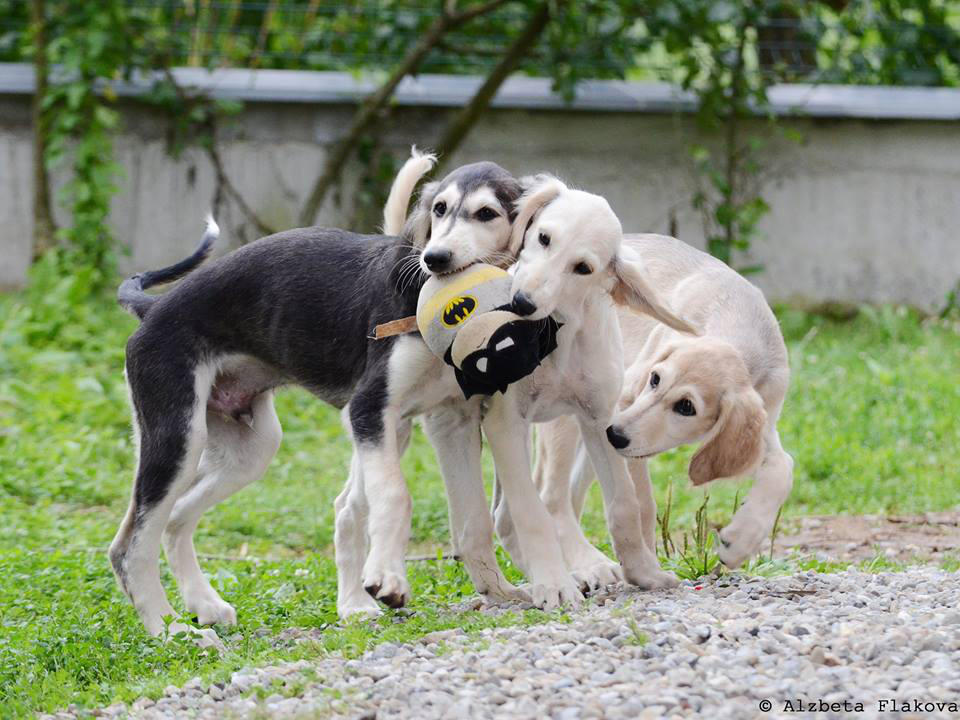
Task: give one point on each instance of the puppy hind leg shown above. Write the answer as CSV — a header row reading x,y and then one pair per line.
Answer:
x,y
754,520
454,434
169,453
581,479
560,461
504,527
235,456
640,472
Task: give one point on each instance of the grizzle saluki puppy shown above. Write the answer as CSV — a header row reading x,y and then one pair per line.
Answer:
x,y
297,307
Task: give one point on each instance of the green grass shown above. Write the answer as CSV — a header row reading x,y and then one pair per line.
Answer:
x,y
871,422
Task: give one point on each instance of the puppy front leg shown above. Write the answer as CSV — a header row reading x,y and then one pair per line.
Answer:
x,y
351,512
506,430
390,510
640,473
623,511
561,461
753,522
454,433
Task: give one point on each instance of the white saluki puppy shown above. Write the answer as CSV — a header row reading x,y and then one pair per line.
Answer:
x,y
723,389
571,267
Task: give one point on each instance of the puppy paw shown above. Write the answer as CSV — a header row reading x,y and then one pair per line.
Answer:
x,y
550,596
210,608
359,607
651,578
390,588
596,575
203,637
740,540
507,593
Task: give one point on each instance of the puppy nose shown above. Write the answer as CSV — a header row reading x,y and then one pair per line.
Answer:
x,y
523,305
437,259
617,438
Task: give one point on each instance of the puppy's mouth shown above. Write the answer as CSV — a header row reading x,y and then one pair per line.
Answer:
x,y
633,455
443,273
448,270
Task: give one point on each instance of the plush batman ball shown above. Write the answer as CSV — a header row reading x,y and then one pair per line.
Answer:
x,y
465,318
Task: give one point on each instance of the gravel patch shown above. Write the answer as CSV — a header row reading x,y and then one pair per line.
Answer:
x,y
849,644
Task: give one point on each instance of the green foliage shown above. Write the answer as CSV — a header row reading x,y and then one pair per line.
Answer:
x,y
14,21
587,40
730,52
891,42
697,558
92,45
714,52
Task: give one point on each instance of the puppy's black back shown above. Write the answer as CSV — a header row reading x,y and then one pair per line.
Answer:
x,y
304,302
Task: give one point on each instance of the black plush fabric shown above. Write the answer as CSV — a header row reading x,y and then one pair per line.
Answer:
x,y
533,340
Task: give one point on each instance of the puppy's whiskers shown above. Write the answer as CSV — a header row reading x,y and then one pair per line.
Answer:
x,y
499,258
410,274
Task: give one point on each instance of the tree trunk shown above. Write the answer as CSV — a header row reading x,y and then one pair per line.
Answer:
x,y
468,116
371,107
737,107
44,228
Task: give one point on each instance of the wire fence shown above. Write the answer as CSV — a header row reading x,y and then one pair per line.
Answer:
x,y
355,35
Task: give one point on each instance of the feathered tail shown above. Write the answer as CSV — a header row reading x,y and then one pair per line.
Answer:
x,y
131,294
395,211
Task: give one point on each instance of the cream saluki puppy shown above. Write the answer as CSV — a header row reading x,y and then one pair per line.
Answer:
x,y
571,267
723,389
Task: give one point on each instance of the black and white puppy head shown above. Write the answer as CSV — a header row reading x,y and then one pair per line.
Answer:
x,y
465,218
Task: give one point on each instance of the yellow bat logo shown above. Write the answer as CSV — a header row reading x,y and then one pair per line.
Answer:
x,y
458,310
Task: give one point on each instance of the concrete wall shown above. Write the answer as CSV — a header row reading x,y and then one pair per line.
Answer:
x,y
862,210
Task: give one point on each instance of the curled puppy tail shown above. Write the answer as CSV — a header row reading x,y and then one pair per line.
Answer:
x,y
131,294
395,211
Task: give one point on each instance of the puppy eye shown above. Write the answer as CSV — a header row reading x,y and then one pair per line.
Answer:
x,y
544,239
439,209
654,380
684,407
485,214
582,268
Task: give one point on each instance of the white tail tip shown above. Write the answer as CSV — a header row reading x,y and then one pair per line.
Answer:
x,y
212,227
415,154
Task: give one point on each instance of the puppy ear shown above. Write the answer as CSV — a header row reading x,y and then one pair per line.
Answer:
x,y
417,228
736,440
633,289
542,189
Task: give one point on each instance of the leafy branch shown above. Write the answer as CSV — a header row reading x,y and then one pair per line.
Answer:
x,y
196,116
715,54
44,226
373,105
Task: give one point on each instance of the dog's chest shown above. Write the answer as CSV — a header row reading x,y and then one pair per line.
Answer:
x,y
418,380
551,391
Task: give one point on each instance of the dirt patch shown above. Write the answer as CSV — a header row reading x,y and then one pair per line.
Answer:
x,y
931,537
